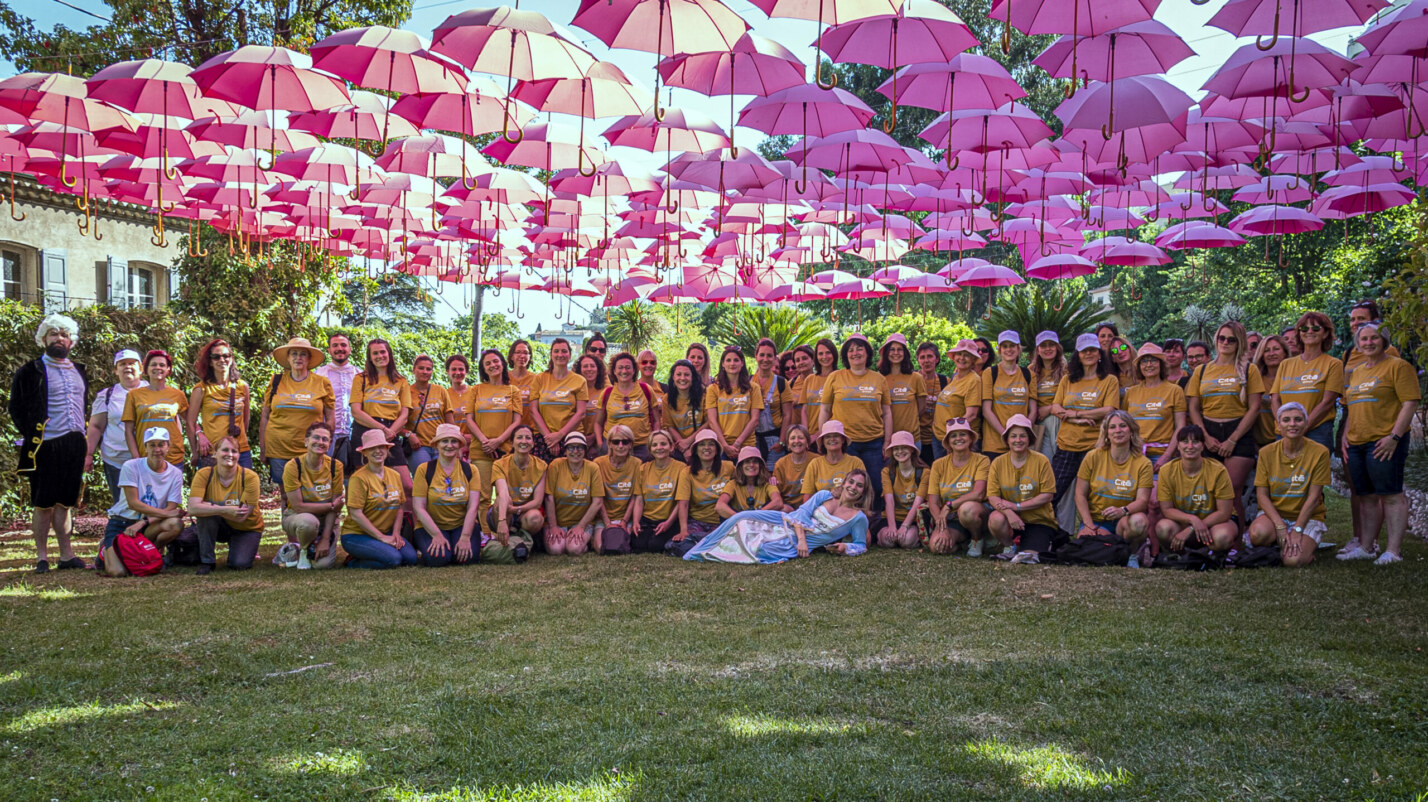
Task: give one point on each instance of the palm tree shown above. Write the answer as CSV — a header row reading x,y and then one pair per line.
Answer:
x,y
1026,309
1199,319
635,325
787,326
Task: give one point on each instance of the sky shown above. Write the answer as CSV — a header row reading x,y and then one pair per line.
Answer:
x,y
1212,46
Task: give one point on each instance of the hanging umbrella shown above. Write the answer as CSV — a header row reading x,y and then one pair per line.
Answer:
x,y
603,91
253,130
966,81
1291,17
1280,70
797,291
1124,252
547,146
1059,266
955,269
895,274
857,290
368,117
1365,200
754,66
1148,47
1197,234
832,12
263,78
1276,189
990,275
389,59
1145,100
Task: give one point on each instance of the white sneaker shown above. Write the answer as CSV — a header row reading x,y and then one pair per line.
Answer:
x,y
974,548
1355,552
1388,558
302,563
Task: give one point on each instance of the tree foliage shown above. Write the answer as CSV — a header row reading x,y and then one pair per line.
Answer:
x,y
1036,306
394,300
918,329
635,326
787,326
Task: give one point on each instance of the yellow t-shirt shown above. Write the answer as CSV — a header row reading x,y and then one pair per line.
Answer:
x,y
146,407
1289,481
1218,388
685,419
495,407
587,426
382,399
292,407
704,491
789,476
573,492
621,485
242,490
1354,358
1114,484
556,399
525,385
906,393
743,498
735,409
448,496
1154,409
1046,388
1081,397
819,475
1196,495
811,396
213,417
1266,431
316,486
947,481
773,400
1306,382
632,409
663,489
1006,481
858,402
1010,395
459,403
1374,396
378,497
425,420
521,484
960,394
904,489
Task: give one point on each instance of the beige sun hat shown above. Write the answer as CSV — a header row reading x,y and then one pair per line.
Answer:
x,y
280,354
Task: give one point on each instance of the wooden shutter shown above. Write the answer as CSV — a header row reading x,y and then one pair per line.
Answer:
x,y
54,279
119,283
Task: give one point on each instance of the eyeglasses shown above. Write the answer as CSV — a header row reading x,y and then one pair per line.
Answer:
x,y
1310,327
1221,338
621,442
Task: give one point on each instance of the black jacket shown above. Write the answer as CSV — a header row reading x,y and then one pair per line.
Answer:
x,y
29,405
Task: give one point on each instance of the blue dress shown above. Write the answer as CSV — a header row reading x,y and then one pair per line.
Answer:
x,y
765,536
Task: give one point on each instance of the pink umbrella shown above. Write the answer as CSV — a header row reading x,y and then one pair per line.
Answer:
x,y
367,117
797,291
966,81
895,274
851,150
927,283
389,59
1302,17
1197,234
674,130
263,78
1404,31
990,275
756,65
152,86
548,146
1185,205
1366,200
1124,252
943,239
734,292
833,12
1276,189
1279,70
806,110
857,290
1059,266
1148,47
1086,17
955,269
252,130
1145,100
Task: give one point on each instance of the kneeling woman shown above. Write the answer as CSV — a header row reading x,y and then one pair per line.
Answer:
x,y
665,490
445,501
151,504
1196,498
1020,487
372,531
768,536
224,500
516,517
1290,482
1114,483
956,492
312,485
574,501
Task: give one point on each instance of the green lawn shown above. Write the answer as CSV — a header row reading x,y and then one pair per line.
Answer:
x,y
891,676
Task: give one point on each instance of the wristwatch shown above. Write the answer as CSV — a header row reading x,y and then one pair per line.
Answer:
x,y
1397,437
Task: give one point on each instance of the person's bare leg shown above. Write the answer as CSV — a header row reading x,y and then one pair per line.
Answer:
x,y
62,522
1371,515
1000,529
1239,469
113,566
1225,536
1395,517
40,522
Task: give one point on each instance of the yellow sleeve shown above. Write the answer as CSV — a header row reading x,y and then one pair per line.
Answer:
x,y
1087,470
356,494
1405,383
420,487
711,397
292,479
329,398
131,412
1047,477
1268,463
1335,380
810,478
982,471
1165,488
756,398
183,402
1110,388
1253,380
1319,474
682,488
1223,490
1192,387
597,485
1144,475
1061,390
339,471
251,486
199,487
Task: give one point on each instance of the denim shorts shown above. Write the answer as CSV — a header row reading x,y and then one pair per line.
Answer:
x,y
1372,477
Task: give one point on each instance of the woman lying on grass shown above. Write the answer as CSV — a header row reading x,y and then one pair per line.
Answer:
x,y
767,536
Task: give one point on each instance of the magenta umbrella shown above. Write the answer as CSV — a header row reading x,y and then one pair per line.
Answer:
x,y
966,81
865,149
264,78
1124,252
1059,266
806,110
1279,70
393,60
1197,234
1402,31
1276,189
1355,201
1148,47
1145,100
547,146
1083,18
368,117
957,268
990,275
1268,221
796,292
832,12
756,65
1301,17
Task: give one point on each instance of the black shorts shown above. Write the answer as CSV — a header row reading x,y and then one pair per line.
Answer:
x,y
1038,537
1244,447
58,477
396,455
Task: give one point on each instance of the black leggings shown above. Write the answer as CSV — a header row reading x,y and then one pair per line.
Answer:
x,y
645,541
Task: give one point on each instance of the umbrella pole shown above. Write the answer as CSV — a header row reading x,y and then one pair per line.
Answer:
x,y
733,151
892,118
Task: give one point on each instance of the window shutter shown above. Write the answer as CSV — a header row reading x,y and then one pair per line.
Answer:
x,y
175,283
119,283
54,279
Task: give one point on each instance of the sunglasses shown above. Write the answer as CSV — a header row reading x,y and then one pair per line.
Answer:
x,y
216,357
1120,349
621,442
650,362
1220,338
1309,327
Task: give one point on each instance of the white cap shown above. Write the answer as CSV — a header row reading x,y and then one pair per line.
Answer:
x,y
155,433
1047,337
1087,341
1008,336
126,354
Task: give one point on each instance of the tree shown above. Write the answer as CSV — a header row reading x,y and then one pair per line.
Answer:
x,y
918,329
635,325
1405,306
1036,307
787,326
396,300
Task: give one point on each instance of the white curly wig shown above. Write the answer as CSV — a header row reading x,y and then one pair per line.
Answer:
x,y
59,322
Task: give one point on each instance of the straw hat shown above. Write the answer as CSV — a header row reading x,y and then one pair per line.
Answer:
x,y
280,354
373,438
448,431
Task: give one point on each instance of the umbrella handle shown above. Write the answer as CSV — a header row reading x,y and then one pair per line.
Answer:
x,y
891,122
64,175
580,164
195,245
507,119
12,197
95,225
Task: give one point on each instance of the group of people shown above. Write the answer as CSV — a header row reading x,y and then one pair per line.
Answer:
x,y
1016,452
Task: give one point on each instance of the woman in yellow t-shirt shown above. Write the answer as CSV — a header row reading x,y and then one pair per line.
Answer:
x,y
1020,489
1382,397
295,399
431,407
627,401
1271,355
1313,377
381,401
1157,405
708,473
223,500
698,356
789,470
857,396
751,488
929,358
574,500
1114,483
1006,391
1224,399
683,408
518,358
1290,480
956,492
961,398
446,497
825,361
159,404
905,514
906,389
218,407
732,404
592,370
495,414
558,398
312,489
372,531
827,470
1087,393
664,489
1048,367
516,518
624,507
1194,495
803,364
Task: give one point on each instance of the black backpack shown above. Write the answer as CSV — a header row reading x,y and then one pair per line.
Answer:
x,y
1093,550
1195,558
1255,557
465,470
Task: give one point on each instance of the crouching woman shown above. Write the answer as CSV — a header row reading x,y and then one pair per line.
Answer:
x,y
1290,482
150,504
224,502
1114,483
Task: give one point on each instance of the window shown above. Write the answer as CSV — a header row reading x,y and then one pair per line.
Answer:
x,y
141,287
14,275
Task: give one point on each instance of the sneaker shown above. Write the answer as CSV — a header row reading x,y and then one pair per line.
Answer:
x,y
288,555
72,563
303,564
520,553
1388,558
1133,562
974,548
42,566
1355,552
1026,558
204,569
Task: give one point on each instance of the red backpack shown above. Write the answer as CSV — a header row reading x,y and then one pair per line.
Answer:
x,y
139,555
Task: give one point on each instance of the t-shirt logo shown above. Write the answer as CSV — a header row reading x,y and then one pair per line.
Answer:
x,y
738,403
867,389
1089,396
665,487
1026,486
1366,387
1122,483
1227,381
1199,498
579,491
718,485
1153,406
1298,478
1309,378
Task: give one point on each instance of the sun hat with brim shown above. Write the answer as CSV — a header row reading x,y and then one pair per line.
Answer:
x,y
749,452
1022,421
903,439
1087,341
958,425
280,354
1009,336
967,346
448,431
1153,350
1048,337
156,433
575,439
705,435
373,438
125,355
895,337
832,427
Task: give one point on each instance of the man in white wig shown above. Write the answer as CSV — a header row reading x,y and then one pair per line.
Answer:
x,y
48,400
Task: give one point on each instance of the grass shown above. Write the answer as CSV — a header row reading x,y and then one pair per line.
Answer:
x,y
892,676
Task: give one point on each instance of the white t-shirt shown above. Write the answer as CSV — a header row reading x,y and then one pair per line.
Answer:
x,y
155,489
110,401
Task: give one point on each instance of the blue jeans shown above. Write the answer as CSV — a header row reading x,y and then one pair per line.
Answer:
x,y
420,457
871,453
275,471
938,450
369,552
111,477
1323,434
423,545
